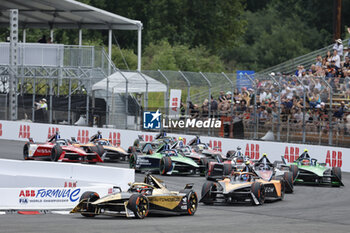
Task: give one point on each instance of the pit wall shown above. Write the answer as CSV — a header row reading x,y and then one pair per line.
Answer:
x,y
48,185
331,155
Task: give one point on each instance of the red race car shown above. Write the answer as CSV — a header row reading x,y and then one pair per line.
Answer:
x,y
61,150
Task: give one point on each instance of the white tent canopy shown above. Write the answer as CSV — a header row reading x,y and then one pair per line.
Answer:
x,y
136,83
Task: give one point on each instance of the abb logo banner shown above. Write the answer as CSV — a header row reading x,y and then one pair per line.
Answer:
x,y
252,151
334,158
0,130
291,154
216,145
114,138
27,193
83,136
70,184
52,131
24,131
174,103
147,138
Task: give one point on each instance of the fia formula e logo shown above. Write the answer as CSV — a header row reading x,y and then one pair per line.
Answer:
x,y
151,120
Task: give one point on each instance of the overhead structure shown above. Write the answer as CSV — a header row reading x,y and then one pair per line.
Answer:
x,y
67,14
116,83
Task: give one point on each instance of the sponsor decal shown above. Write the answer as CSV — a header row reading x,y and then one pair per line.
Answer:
x,y
0,129
151,120
291,153
147,138
252,151
83,136
43,151
216,145
49,195
334,158
114,138
52,131
24,131
70,184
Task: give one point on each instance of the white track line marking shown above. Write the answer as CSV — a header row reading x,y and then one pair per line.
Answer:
x,y
60,212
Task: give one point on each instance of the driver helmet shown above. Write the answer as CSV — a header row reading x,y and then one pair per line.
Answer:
x,y
180,138
264,155
305,150
238,148
99,132
57,132
244,177
247,162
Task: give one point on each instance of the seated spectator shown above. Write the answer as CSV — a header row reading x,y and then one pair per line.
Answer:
x,y
338,46
336,58
205,108
222,97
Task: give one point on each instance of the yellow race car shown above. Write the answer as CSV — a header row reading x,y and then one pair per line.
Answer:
x,y
139,200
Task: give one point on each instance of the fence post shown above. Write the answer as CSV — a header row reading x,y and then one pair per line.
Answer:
x,y
146,96
69,98
166,104
279,109
330,114
209,109
304,108
255,96
33,104
232,90
188,96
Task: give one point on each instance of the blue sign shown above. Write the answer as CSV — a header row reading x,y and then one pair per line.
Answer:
x,y
242,79
152,120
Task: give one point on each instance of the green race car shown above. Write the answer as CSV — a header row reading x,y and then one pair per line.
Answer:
x,y
165,161
312,172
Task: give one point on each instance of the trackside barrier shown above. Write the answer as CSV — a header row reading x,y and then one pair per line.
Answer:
x,y
331,155
48,185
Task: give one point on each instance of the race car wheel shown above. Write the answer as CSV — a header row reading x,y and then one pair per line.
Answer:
x,y
294,169
133,160
90,197
97,149
283,189
258,190
336,176
56,152
227,169
139,205
26,151
165,165
208,197
288,178
204,163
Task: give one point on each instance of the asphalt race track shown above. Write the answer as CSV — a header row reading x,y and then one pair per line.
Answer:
x,y
309,209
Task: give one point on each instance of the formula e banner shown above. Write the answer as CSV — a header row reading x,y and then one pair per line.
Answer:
x,y
331,155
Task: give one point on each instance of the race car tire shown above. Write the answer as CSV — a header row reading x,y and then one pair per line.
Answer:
x,y
283,189
139,205
295,170
165,165
98,149
207,196
204,162
336,176
90,197
227,169
56,152
258,190
26,151
192,201
288,178
133,160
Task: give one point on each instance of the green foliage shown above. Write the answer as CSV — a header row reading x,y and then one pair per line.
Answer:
x,y
163,56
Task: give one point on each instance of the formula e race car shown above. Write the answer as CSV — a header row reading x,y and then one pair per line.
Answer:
x,y
243,187
106,149
312,172
61,150
165,161
140,200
